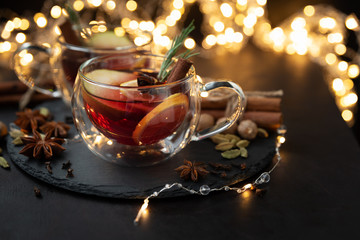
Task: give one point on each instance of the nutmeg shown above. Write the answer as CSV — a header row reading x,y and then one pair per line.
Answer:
x,y
206,120
247,129
230,130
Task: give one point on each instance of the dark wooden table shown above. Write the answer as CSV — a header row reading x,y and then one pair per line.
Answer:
x,y
313,193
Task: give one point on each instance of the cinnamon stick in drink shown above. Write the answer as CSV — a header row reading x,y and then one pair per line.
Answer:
x,y
180,70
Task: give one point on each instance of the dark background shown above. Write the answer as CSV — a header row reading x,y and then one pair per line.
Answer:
x,y
278,11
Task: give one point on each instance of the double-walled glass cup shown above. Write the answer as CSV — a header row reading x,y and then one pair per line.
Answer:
x,y
63,59
140,126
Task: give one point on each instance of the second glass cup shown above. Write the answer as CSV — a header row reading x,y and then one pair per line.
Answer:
x,y
140,125
66,58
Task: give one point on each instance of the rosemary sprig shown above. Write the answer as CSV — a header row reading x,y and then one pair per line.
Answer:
x,y
175,46
73,16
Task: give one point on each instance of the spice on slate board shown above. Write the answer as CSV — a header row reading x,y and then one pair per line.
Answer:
x,y
48,167
37,192
4,163
58,129
40,148
70,173
192,170
66,165
29,119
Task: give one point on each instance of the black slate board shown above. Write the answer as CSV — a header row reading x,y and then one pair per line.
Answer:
x,y
95,176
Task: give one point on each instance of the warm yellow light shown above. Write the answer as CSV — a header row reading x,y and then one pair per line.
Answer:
x,y
259,11
119,31
348,100
335,37
337,84
238,37
28,58
133,24
248,31
125,22
9,26
25,24
5,46
165,41
327,23
309,10
131,5
175,14
95,3
239,19
342,66
139,41
57,30
353,71
219,26
55,11
248,186
189,43
178,4
352,22
170,21
281,139
20,37
277,36
40,20
340,49
330,58
17,22
261,2
349,84
221,39
298,23
242,2
211,40
250,20
102,28
290,49
226,10
78,5
5,34
111,5
347,115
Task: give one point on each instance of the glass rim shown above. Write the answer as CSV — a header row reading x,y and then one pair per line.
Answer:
x,y
95,59
78,48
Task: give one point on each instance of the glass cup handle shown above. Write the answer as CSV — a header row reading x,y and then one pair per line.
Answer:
x,y
239,109
27,80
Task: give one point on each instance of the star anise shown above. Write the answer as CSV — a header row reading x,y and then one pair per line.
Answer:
x,y
192,170
39,147
29,119
58,129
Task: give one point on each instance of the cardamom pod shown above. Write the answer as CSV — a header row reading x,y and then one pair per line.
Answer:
x,y
243,143
230,154
243,152
232,136
17,141
16,133
263,133
4,163
44,111
224,146
219,138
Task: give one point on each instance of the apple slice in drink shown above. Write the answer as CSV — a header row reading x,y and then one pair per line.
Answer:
x,y
108,40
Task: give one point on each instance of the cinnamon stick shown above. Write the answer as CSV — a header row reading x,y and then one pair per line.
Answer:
x,y
180,70
15,98
12,87
69,34
268,120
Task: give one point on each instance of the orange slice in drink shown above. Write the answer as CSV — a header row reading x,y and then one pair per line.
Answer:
x,y
162,121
